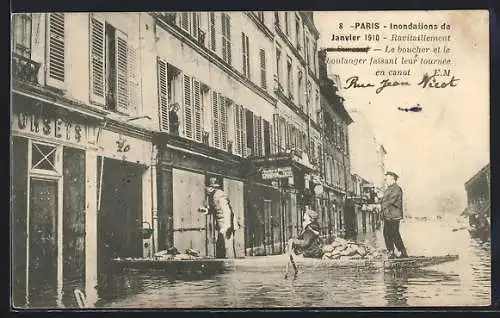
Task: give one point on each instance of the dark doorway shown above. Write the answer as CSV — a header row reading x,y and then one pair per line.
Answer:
x,y
350,220
42,277
120,216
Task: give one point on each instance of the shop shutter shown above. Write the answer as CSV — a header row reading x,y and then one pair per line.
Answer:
x,y
263,74
162,95
215,118
223,121
56,50
188,109
197,110
121,49
97,61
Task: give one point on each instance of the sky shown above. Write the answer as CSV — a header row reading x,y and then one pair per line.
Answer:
x,y
437,150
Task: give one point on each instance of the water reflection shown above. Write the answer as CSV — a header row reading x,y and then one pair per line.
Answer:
x,y
461,283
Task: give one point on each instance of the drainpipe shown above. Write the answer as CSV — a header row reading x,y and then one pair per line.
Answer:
x,y
154,197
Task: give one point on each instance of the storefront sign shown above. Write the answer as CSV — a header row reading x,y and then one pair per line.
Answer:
x,y
277,173
49,127
118,146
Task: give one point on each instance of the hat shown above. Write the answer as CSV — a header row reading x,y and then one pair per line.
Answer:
x,y
213,183
312,214
394,175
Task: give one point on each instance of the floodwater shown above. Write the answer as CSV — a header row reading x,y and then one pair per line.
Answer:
x,y
465,282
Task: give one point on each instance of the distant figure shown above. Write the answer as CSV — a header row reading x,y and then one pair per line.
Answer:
x,y
308,242
218,204
392,212
174,119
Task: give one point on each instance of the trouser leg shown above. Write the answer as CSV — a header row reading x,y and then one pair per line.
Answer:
x,y
220,246
389,244
398,241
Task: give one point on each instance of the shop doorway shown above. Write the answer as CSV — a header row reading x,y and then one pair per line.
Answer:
x,y
119,220
43,219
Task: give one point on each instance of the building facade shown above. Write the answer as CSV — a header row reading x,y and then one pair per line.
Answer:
x,y
119,121
335,167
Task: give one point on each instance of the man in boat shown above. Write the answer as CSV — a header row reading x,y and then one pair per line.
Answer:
x,y
308,242
392,212
217,203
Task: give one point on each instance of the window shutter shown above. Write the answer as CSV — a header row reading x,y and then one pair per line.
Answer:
x,y
184,21
263,75
133,81
212,30
243,120
197,110
97,63
196,24
215,118
244,54
223,121
121,49
188,109
320,159
162,96
228,35
56,50
237,129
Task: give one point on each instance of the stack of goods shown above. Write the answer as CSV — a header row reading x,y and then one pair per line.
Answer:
x,y
173,254
342,249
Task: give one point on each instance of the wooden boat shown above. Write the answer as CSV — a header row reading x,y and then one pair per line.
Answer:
x,y
412,262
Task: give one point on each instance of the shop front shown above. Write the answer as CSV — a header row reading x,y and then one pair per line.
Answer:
x,y
48,211
124,197
277,195
183,173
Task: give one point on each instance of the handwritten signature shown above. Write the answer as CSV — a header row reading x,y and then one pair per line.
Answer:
x,y
427,81
417,108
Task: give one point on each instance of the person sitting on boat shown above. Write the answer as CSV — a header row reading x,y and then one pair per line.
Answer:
x,y
308,242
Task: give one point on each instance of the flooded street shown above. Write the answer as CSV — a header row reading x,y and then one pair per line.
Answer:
x,y
460,283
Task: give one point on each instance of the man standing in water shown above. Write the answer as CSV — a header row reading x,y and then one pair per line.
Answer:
x,y
392,211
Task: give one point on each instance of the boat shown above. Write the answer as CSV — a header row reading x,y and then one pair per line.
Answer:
x,y
380,263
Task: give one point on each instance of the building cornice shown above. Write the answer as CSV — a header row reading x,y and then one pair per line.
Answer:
x,y
267,32
213,58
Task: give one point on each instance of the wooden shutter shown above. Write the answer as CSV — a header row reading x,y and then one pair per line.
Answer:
x,y
320,159
198,126
188,109
215,119
244,54
263,75
56,54
212,31
184,21
223,121
97,61
266,132
133,81
196,24
243,116
237,129
228,35
163,96
121,49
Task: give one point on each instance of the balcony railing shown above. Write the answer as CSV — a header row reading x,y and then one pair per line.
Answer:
x,y
24,69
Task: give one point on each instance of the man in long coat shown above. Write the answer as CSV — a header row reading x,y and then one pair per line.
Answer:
x,y
392,212
218,204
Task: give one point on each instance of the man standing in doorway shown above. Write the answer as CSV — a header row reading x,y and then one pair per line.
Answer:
x,y
218,204
392,212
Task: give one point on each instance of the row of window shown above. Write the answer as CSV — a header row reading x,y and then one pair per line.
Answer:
x,y
334,172
337,133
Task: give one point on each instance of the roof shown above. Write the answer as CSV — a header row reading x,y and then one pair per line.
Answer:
x,y
481,172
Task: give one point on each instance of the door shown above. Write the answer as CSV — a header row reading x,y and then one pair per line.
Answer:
x,y
42,277
268,232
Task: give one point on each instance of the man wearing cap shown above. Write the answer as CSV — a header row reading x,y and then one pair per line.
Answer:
x,y
218,205
392,212
308,241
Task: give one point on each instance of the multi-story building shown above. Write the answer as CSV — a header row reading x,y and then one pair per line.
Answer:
x,y
120,119
335,167
81,149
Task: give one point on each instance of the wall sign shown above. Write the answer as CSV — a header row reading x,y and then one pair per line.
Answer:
x,y
118,146
50,127
277,173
